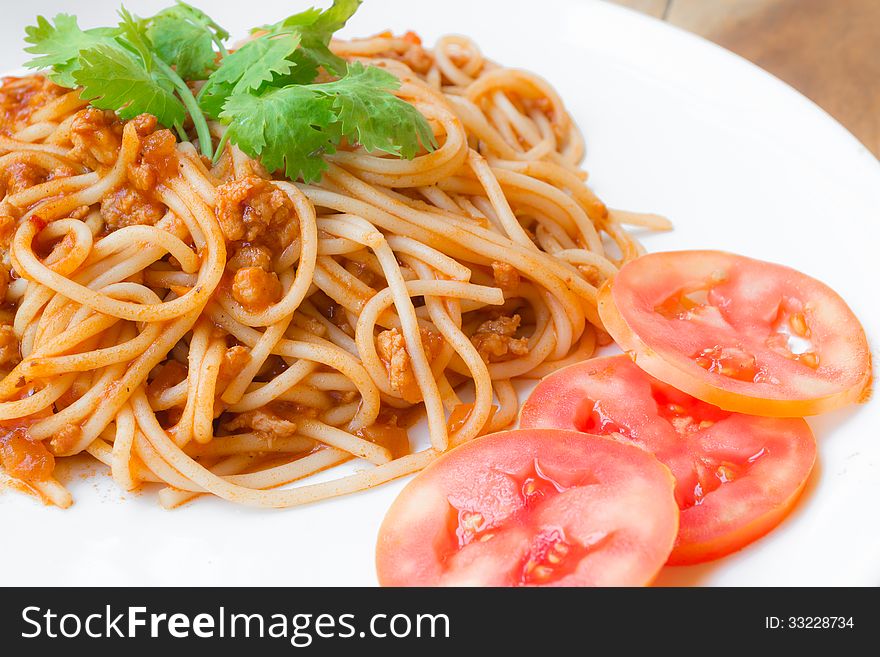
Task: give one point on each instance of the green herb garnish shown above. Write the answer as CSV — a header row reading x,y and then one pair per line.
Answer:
x,y
265,91
358,106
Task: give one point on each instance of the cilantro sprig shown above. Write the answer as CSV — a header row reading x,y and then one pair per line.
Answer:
x,y
247,69
186,36
265,91
59,46
120,68
316,28
292,127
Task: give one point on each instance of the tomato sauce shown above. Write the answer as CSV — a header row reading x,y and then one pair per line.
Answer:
x,y
460,415
24,458
393,438
21,96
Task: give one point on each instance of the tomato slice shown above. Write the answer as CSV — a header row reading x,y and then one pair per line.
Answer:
x,y
737,476
744,335
531,508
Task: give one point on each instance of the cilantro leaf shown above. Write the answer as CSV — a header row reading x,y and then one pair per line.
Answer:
x,y
288,52
316,22
197,17
255,62
336,16
186,46
123,69
308,17
133,35
316,28
370,115
59,45
286,128
264,91
319,54
293,127
184,37
304,72
113,78
248,68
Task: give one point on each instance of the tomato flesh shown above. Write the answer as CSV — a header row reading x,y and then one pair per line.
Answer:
x,y
744,335
737,476
531,508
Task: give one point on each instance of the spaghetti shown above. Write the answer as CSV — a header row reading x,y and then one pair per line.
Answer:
x,y
216,329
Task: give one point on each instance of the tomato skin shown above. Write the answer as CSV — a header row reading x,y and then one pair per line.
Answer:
x,y
609,505
697,542
737,476
629,303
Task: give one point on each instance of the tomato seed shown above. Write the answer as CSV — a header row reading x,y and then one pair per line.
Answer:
x,y
733,362
798,324
725,473
542,573
809,358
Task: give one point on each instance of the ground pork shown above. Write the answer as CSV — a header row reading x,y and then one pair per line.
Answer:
x,y
157,158
96,136
234,360
135,202
495,342
392,351
249,255
255,211
262,422
255,288
129,207
506,276
10,354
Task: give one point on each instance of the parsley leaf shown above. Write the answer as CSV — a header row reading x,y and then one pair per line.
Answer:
x,y
59,45
286,128
113,78
375,118
248,68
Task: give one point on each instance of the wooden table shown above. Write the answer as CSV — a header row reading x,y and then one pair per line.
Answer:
x,y
827,49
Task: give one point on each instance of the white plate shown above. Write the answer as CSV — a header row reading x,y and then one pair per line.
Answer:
x,y
674,125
